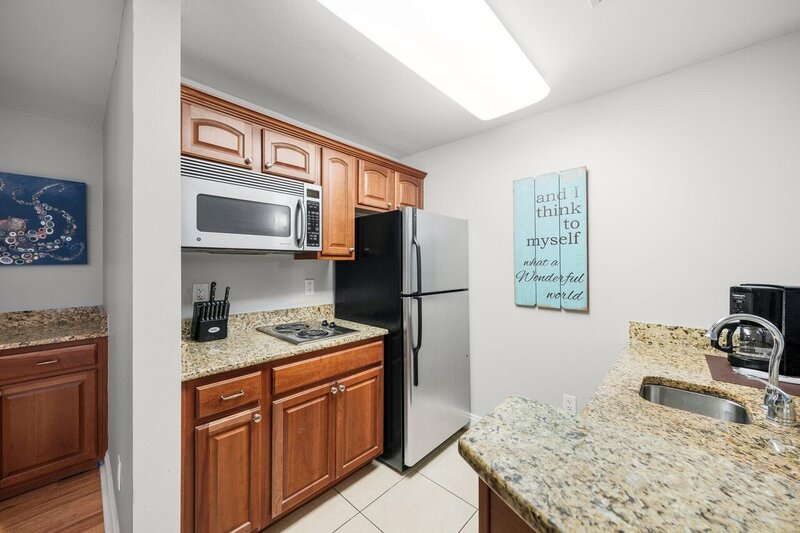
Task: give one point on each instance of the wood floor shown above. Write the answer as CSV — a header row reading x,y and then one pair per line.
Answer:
x,y
70,505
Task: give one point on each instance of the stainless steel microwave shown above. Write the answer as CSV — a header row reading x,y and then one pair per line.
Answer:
x,y
230,209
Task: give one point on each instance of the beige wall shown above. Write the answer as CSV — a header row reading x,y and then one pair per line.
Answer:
x,y
42,146
693,187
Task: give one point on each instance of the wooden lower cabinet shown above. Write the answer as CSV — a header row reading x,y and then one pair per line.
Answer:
x,y
52,413
228,473
302,446
359,420
495,516
246,466
48,424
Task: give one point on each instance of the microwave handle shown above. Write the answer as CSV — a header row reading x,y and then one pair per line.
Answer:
x,y
300,222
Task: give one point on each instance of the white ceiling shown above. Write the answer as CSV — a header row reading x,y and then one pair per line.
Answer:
x,y
57,57
296,58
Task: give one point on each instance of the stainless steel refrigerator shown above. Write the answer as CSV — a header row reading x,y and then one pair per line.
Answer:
x,y
410,276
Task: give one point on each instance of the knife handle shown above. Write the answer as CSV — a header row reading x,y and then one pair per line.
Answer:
x,y
213,291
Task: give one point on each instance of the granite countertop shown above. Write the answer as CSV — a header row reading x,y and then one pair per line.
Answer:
x,y
628,464
245,346
19,329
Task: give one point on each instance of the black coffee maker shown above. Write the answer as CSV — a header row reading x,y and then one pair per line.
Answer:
x,y
776,303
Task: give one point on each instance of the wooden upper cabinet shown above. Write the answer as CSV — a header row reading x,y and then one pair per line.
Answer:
x,y
48,424
339,174
359,420
228,474
408,191
216,136
375,186
303,461
284,155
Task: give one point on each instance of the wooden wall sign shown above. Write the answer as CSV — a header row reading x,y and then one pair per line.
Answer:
x,y
550,241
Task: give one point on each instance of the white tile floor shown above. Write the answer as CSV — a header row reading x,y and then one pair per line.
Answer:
x,y
440,495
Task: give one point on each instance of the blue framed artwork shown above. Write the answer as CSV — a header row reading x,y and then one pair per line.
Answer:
x,y
42,221
550,241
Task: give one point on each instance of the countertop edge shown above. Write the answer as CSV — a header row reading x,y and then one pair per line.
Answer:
x,y
528,513
300,349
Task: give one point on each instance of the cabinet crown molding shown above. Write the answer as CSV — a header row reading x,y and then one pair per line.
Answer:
x,y
191,94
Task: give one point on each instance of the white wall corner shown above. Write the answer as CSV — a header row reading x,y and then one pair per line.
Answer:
x,y
110,518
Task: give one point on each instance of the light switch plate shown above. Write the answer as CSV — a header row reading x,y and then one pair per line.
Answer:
x,y
309,287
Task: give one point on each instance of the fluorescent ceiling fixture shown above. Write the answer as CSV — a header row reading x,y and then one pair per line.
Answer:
x,y
458,46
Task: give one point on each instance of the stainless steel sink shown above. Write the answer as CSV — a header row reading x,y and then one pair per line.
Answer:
x,y
695,402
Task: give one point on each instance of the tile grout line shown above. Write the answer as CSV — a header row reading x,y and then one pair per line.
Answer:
x,y
467,522
379,496
448,490
370,521
351,505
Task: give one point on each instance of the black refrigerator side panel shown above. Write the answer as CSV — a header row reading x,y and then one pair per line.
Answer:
x,y
367,290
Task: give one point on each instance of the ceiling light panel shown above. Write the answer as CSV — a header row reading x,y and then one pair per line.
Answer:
x,y
458,46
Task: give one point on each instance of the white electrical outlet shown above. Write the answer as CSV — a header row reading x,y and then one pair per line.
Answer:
x,y
309,287
199,292
570,404
119,473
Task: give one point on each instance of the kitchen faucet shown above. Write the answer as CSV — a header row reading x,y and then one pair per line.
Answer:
x,y
779,405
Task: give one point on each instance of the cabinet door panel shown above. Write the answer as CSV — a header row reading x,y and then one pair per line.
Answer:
x,y
211,135
303,461
289,156
359,420
408,191
338,214
228,473
48,424
375,186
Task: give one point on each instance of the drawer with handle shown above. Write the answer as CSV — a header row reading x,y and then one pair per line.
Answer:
x,y
309,371
35,363
221,396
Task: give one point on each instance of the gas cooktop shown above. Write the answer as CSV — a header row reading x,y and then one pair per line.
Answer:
x,y
300,332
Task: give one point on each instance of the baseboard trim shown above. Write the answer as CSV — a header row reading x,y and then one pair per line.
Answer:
x,y
473,419
110,518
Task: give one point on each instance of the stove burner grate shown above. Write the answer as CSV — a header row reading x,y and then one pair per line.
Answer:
x,y
291,327
312,333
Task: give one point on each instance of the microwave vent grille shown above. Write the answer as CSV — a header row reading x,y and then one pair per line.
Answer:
x,y
206,170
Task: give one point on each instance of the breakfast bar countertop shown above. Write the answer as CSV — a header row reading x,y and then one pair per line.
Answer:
x,y
245,346
19,329
628,464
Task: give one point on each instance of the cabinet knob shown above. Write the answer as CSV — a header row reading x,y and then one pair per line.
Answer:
x,y
342,388
334,390
388,204
257,418
351,250
269,164
248,160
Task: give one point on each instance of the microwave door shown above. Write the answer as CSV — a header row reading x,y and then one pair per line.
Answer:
x,y
223,216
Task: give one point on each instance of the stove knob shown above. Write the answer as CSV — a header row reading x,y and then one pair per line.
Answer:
x,y
332,324
325,323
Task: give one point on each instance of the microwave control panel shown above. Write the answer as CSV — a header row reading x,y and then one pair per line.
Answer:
x,y
312,224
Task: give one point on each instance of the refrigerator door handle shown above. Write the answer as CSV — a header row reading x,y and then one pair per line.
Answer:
x,y
418,249
418,344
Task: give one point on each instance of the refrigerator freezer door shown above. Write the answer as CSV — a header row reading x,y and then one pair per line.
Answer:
x,y
438,404
435,254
